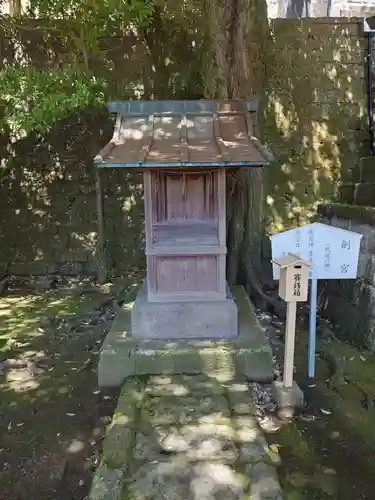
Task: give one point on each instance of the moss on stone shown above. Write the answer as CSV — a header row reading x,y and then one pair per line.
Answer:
x,y
118,445
107,484
360,213
120,438
130,399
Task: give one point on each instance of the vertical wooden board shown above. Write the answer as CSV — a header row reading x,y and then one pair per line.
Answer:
x,y
186,274
207,273
175,274
149,217
174,201
102,270
192,198
160,196
221,206
195,197
155,180
221,268
151,274
211,195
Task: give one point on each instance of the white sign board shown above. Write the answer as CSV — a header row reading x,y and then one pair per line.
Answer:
x,y
332,252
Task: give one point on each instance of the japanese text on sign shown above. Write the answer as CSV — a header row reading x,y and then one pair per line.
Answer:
x,y
332,252
327,256
298,242
311,248
297,285
344,268
345,245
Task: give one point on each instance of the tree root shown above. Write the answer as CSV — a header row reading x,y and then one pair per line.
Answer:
x,y
337,373
262,300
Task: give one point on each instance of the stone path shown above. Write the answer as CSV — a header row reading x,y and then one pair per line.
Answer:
x,y
185,438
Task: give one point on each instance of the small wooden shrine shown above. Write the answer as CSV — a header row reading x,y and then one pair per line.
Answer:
x,y
183,149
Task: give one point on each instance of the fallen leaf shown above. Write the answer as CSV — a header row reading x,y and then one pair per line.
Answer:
x,y
325,412
274,448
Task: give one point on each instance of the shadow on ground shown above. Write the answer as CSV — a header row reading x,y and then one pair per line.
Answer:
x,y
52,414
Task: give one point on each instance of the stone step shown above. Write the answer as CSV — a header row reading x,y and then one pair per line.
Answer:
x,y
367,169
358,194
249,354
185,436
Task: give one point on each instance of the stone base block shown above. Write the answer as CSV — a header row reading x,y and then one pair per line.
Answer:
x,y
183,320
287,397
249,354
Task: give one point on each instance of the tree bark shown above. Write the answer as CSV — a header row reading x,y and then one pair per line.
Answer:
x,y
239,36
15,8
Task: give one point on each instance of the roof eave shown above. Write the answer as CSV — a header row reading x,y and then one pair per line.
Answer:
x,y
104,164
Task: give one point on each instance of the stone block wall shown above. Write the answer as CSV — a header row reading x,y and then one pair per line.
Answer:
x,y
351,303
315,116
315,124
48,214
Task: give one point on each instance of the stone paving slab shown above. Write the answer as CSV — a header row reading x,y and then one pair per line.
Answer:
x,y
185,437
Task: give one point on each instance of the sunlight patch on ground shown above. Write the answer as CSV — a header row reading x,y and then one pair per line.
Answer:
x,y
20,316
21,381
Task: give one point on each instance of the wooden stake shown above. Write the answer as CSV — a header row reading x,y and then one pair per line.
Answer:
x,y
290,335
102,264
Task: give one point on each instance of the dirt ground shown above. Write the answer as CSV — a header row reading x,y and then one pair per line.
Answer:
x,y
52,414
328,451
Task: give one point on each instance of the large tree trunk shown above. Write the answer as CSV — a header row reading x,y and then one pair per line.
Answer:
x,y
15,8
239,39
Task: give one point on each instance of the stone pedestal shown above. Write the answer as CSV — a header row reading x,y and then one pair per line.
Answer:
x,y
287,397
247,354
183,320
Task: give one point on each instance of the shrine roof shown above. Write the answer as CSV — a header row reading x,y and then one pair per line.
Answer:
x,y
166,134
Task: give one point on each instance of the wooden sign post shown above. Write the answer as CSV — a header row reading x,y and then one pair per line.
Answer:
x,y
293,288
333,255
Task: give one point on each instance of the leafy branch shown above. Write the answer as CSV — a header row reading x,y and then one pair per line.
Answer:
x,y
33,100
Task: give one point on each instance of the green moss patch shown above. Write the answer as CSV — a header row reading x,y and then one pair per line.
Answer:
x,y
330,457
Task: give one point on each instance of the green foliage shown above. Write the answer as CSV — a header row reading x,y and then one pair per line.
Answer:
x,y
96,17
32,100
125,11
